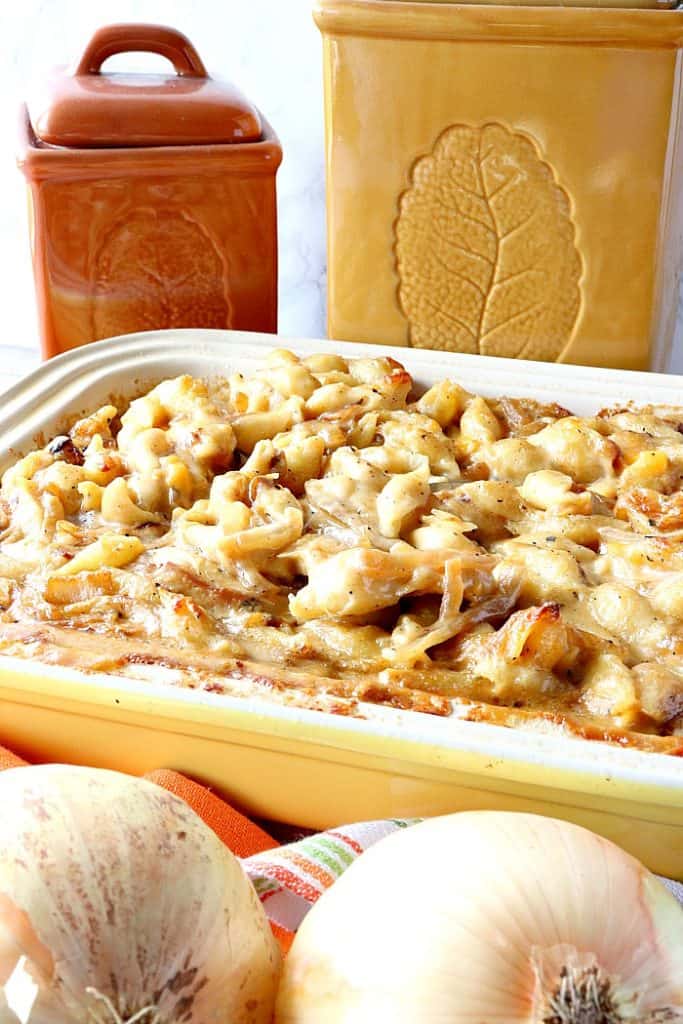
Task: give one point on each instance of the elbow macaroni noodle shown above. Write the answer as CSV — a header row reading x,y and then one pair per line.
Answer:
x,y
319,534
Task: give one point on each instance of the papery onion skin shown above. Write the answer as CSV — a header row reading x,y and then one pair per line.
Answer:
x,y
456,919
113,889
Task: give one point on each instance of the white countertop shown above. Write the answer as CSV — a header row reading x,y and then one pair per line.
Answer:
x,y
15,363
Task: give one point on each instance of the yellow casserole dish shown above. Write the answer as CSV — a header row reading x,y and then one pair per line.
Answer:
x,y
311,767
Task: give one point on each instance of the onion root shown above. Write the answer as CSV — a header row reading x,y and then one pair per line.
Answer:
x,y
114,1015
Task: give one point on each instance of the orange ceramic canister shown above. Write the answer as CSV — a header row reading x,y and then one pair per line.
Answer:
x,y
152,197
506,178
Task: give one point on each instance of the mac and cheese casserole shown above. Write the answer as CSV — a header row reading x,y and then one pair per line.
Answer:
x,y
322,535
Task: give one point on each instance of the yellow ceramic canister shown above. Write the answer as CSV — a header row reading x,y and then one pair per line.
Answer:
x,y
505,179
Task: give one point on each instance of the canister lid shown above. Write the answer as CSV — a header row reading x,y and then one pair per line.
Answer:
x,y
89,108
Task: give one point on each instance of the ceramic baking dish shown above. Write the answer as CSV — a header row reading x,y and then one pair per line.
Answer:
x,y
307,767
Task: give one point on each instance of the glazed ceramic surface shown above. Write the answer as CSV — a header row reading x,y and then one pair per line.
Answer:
x,y
152,198
504,180
312,768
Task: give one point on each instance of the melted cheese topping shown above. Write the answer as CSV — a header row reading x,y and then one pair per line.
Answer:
x,y
318,534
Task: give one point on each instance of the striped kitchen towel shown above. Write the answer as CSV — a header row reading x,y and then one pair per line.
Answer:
x,y
289,879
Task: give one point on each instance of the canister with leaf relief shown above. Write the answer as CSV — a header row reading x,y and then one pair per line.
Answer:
x,y
505,178
152,196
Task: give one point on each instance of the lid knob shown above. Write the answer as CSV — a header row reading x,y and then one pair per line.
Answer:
x,y
128,38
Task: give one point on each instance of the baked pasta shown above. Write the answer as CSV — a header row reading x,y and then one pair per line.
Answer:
x,y
322,535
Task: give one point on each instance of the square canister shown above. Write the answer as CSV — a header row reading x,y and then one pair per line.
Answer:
x,y
505,179
151,197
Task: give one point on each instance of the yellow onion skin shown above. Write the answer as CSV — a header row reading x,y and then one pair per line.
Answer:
x,y
114,897
470,918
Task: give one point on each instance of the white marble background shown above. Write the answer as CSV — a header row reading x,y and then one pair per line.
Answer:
x,y
270,48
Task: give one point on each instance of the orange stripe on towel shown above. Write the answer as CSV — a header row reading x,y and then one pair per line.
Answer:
x,y
309,866
293,882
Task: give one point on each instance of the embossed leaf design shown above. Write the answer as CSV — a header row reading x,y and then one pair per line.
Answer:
x,y
485,248
154,269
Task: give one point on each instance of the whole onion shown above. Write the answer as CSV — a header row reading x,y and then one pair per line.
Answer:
x,y
489,918
118,904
